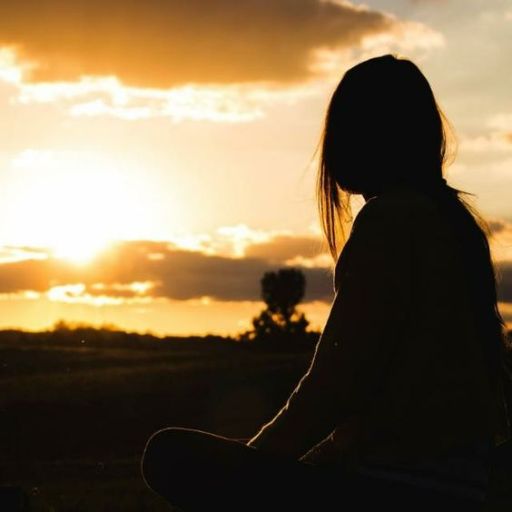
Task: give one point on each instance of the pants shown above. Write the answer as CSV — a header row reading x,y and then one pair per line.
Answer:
x,y
198,471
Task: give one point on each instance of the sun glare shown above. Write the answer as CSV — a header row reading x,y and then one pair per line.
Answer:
x,y
79,250
73,204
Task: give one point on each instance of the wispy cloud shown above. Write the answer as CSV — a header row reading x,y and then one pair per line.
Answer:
x,y
496,138
107,96
492,142
10,254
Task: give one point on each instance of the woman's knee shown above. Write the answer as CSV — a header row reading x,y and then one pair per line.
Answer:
x,y
163,449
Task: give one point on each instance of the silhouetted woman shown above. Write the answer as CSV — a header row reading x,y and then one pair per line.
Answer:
x,y
404,398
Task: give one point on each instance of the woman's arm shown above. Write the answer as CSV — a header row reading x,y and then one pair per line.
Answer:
x,y
366,320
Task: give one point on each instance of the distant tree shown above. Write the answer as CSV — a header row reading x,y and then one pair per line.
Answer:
x,y
62,325
68,325
282,291
280,321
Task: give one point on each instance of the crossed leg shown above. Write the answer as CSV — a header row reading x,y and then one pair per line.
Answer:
x,y
199,471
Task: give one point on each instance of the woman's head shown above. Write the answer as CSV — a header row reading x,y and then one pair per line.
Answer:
x,y
382,127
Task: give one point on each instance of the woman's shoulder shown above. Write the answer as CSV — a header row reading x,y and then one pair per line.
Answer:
x,y
370,225
386,226
395,212
394,208
397,201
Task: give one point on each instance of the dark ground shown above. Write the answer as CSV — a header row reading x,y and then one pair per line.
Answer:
x,y
76,408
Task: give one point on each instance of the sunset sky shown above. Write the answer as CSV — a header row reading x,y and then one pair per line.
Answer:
x,y
156,157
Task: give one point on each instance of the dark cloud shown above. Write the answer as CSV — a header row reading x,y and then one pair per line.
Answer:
x,y
504,278
285,247
497,226
173,42
184,274
176,274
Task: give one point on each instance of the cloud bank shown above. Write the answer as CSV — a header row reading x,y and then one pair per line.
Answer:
x,y
146,270
172,43
138,269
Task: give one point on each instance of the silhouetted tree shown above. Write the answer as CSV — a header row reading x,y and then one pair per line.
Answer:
x,y
280,321
282,291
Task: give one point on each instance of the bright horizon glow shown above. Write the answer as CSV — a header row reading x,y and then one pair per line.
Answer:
x,y
74,203
75,206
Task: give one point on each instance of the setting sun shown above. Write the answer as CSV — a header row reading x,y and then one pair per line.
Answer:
x,y
74,204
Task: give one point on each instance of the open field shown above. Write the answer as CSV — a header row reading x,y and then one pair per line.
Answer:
x,y
76,409
75,415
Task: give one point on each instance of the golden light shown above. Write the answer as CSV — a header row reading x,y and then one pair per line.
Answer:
x,y
73,203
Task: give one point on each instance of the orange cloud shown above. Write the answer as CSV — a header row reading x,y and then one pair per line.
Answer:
x,y
130,270
504,278
142,271
165,44
285,247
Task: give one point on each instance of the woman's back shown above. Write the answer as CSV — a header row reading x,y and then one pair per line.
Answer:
x,y
434,416
437,382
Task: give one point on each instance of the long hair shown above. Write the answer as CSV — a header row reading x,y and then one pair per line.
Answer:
x,y
383,126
